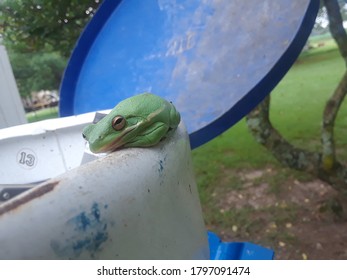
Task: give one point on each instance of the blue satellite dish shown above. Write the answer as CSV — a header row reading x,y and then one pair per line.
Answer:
x,y
215,60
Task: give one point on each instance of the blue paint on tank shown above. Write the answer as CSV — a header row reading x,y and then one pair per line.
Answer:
x,y
87,231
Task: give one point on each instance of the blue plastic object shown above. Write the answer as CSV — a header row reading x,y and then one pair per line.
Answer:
x,y
236,250
216,60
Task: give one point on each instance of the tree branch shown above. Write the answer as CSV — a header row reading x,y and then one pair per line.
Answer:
x,y
260,126
333,105
336,26
327,136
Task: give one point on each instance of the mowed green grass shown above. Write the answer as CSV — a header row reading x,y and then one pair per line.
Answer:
x,y
297,105
48,113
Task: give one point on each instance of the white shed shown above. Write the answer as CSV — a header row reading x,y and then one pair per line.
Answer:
x,y
11,108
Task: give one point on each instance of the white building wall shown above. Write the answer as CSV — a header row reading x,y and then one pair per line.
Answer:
x,y
11,108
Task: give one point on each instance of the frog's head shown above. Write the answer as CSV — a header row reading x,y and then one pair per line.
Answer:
x,y
112,132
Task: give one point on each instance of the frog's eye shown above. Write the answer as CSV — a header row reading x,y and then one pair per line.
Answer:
x,y
118,123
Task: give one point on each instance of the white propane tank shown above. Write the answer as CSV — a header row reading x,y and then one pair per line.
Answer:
x,y
136,203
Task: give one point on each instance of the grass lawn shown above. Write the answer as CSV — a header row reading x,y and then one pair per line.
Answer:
x,y
232,169
48,113
296,111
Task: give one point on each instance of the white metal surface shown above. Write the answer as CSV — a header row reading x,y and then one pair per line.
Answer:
x,y
11,108
138,203
39,151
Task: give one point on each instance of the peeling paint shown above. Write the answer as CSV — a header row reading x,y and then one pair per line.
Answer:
x,y
27,197
161,166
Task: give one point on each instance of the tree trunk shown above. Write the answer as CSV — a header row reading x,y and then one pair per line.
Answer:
x,y
324,165
336,26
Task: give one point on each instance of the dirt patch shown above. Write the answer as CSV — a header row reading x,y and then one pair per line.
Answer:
x,y
256,197
297,219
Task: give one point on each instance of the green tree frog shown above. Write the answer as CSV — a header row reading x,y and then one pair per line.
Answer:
x,y
139,121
